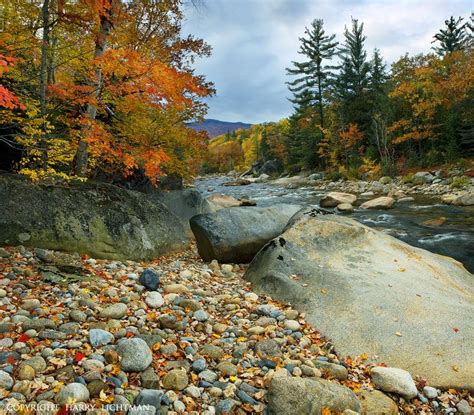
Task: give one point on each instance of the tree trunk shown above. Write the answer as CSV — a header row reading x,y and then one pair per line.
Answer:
x,y
42,81
82,152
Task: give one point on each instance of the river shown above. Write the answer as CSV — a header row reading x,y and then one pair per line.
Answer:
x,y
454,238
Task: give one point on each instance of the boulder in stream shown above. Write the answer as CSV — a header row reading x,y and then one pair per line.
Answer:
x,y
371,293
333,199
237,234
383,202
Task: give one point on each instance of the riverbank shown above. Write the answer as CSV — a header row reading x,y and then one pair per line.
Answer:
x,y
80,330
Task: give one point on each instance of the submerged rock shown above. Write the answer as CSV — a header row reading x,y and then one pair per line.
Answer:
x,y
410,307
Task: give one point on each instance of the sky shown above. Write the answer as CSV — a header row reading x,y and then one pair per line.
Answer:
x,y
254,41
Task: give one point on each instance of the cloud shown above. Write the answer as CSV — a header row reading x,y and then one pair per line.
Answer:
x,y
255,40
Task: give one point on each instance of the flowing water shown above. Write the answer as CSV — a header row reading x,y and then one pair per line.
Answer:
x,y
406,221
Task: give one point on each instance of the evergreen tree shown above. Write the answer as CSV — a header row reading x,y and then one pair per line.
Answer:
x,y
454,37
313,74
352,83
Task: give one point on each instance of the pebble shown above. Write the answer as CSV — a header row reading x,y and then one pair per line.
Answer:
x,y
75,392
209,345
6,381
391,379
154,299
150,279
201,315
292,325
99,337
116,311
176,379
135,353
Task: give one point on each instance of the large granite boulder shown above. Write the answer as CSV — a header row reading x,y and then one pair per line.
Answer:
x,y
237,234
371,293
101,220
184,203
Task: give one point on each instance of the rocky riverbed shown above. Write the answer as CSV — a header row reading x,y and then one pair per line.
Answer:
x,y
421,219
176,335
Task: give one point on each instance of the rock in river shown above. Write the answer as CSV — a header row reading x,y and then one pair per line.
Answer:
x,y
383,202
237,234
409,306
332,199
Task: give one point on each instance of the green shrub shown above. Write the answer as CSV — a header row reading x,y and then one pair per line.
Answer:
x,y
460,181
408,178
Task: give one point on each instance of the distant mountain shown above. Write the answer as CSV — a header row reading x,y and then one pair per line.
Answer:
x,y
216,127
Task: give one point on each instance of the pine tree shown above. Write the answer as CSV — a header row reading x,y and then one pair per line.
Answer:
x,y
313,74
454,37
352,83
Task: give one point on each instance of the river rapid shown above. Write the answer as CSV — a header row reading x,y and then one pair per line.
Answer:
x,y
405,221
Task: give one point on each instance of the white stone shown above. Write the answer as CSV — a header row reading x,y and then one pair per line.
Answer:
x,y
395,380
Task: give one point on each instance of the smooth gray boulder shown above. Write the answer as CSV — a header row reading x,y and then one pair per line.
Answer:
x,y
237,234
371,293
184,203
101,220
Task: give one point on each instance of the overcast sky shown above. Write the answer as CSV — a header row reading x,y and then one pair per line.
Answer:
x,y
254,41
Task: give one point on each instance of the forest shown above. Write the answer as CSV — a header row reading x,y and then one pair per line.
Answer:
x,y
99,89
353,116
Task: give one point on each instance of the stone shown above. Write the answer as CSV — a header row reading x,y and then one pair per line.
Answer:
x,y
116,311
430,392
345,207
175,289
193,391
135,353
176,379
78,316
208,376
227,368
222,201
99,337
212,351
6,381
302,396
216,235
463,407
26,372
4,253
395,380
95,387
354,278
383,202
154,299
226,407
332,199
31,304
292,325
268,348
337,371
37,363
149,379
75,392
375,402
73,219
150,279
466,199
151,397
201,315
